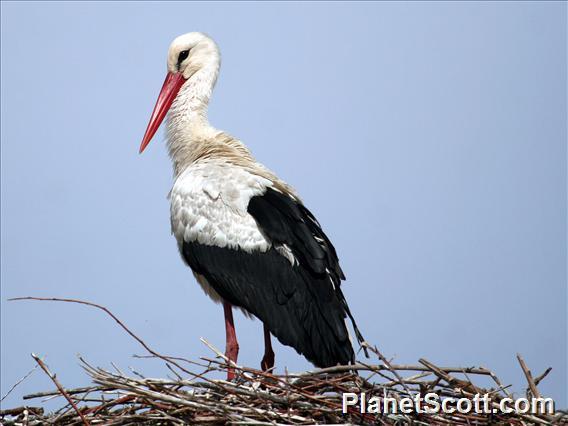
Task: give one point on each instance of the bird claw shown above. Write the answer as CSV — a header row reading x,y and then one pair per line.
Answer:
x,y
267,363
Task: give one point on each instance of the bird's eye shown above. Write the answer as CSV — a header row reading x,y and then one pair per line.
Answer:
x,y
183,56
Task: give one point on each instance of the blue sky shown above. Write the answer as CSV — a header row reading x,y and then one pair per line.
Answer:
x,y
428,138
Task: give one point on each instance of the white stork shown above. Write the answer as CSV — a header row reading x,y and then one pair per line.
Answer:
x,y
246,235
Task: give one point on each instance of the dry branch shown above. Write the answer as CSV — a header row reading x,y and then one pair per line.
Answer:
x,y
60,388
528,375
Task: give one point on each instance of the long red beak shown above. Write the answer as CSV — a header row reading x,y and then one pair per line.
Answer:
x,y
170,89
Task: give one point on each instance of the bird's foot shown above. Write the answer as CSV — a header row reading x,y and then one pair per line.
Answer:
x,y
267,362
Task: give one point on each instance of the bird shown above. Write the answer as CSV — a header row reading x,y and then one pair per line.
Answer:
x,y
247,236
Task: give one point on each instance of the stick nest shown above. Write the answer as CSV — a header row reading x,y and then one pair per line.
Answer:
x,y
194,394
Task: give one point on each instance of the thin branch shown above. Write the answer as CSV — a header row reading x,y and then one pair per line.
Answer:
x,y
18,382
375,350
61,389
528,375
538,379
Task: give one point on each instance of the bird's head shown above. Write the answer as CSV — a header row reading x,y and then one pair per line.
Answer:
x,y
188,54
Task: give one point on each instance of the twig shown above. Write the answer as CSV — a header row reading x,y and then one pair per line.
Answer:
x,y
69,391
375,350
500,385
219,353
380,367
18,382
538,379
528,375
19,410
61,389
462,384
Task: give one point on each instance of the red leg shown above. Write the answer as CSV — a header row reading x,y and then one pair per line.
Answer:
x,y
232,346
268,359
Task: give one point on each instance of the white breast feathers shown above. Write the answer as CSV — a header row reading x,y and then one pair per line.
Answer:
x,y
209,205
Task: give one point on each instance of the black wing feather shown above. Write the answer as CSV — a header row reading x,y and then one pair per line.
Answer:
x,y
265,284
302,304
290,222
283,220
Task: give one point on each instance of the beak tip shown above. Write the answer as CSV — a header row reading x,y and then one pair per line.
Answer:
x,y
144,144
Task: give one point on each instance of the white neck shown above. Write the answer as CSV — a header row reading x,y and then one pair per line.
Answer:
x,y
187,119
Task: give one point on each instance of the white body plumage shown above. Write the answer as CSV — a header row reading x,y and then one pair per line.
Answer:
x,y
208,204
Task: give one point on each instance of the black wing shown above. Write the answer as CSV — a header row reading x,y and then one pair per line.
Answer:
x,y
302,305
287,221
